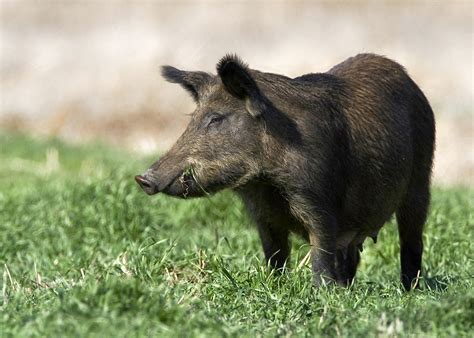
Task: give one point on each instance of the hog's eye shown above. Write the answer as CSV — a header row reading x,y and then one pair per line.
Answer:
x,y
215,119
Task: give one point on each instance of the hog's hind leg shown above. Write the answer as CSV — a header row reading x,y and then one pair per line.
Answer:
x,y
411,217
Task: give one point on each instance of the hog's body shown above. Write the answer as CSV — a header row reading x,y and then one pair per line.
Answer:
x,y
339,153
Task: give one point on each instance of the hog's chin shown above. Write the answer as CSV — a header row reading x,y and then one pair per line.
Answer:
x,y
185,188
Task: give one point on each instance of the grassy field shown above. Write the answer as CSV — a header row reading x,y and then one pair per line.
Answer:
x,y
84,252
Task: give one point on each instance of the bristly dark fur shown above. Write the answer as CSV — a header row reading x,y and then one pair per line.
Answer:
x,y
329,156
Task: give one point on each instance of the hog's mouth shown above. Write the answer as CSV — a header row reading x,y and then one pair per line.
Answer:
x,y
182,185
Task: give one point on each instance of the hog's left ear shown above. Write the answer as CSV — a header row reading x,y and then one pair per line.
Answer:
x,y
193,82
238,81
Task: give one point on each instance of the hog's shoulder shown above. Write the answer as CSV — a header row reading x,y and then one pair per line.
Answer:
x,y
305,88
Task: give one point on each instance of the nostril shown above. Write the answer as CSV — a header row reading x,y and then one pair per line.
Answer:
x,y
138,179
142,181
148,186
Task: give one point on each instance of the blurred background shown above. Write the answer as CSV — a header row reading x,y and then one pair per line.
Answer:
x,y
89,70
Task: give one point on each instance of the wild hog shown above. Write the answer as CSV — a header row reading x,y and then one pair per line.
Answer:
x,y
329,156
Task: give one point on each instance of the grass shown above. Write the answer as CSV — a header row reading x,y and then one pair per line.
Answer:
x,y
85,253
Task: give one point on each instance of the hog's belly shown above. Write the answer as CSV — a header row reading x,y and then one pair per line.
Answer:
x,y
367,209
355,238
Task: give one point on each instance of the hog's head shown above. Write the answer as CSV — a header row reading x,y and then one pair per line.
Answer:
x,y
223,143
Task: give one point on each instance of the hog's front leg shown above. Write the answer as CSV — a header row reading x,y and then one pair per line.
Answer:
x,y
322,256
321,226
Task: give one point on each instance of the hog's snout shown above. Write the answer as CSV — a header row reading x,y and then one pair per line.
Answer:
x,y
147,185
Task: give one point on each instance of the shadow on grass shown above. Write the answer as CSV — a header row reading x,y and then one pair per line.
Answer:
x,y
437,282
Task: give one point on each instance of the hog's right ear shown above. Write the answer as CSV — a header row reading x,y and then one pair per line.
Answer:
x,y
193,82
238,81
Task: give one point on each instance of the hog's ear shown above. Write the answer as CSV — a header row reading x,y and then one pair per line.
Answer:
x,y
193,82
238,81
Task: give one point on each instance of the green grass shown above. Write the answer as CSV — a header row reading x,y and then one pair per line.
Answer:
x,y
83,252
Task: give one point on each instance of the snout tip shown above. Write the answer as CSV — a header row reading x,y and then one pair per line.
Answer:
x,y
149,187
